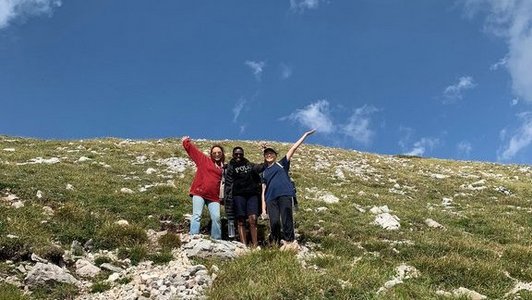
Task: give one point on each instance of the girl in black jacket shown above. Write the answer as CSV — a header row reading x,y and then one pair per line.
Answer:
x,y
242,190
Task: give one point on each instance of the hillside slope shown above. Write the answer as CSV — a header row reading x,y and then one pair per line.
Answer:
x,y
371,226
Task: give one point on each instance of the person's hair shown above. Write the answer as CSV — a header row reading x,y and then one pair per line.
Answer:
x,y
223,151
238,148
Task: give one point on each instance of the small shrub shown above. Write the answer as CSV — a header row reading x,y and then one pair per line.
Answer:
x,y
10,292
161,258
52,253
114,235
136,253
13,249
100,260
124,280
169,241
99,287
55,290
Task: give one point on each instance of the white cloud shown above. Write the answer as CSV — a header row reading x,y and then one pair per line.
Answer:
x,y
257,67
242,129
358,126
464,148
286,71
514,102
421,146
238,108
501,63
315,115
521,139
454,92
511,20
302,5
12,9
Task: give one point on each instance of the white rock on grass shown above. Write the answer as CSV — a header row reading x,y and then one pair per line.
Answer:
x,y
339,174
175,164
39,194
519,286
433,224
69,187
122,223
387,221
45,273
151,171
40,160
85,268
447,202
328,198
83,159
126,191
10,197
463,292
380,209
402,272
9,149
439,176
17,204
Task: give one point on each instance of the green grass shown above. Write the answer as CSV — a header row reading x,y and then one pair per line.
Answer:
x,y
486,232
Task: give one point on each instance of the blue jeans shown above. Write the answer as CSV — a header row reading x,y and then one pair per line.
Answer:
x,y
214,209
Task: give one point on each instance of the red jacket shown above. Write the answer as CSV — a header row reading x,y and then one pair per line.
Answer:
x,y
206,183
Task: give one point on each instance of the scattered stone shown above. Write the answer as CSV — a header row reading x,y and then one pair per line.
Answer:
x,y
18,204
110,267
83,159
433,224
85,268
150,171
122,223
205,248
40,160
328,198
379,210
69,187
9,149
12,236
126,191
175,164
37,258
519,286
446,202
439,176
44,273
463,292
321,209
402,272
339,174
503,190
39,194
387,221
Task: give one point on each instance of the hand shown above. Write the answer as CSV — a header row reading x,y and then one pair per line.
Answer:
x,y
186,137
264,216
310,132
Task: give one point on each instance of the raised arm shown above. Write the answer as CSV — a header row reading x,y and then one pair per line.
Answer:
x,y
298,143
193,152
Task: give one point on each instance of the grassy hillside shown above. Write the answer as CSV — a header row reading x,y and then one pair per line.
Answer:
x,y
77,190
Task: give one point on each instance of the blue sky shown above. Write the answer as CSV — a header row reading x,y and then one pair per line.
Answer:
x,y
446,79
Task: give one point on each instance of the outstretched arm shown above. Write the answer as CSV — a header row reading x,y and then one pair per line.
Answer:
x,y
193,152
299,142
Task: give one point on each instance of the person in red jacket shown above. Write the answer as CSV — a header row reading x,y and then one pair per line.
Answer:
x,y
205,189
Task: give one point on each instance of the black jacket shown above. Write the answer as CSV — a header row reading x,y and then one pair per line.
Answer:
x,y
241,179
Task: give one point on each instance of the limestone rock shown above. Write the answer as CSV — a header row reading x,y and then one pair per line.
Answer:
x,y
44,273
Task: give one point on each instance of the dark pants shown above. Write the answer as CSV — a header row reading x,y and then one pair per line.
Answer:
x,y
280,213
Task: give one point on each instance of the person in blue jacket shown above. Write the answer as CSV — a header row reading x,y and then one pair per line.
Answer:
x,y
278,192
